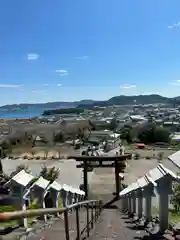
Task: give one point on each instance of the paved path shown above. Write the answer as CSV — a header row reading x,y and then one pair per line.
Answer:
x,y
103,181
138,168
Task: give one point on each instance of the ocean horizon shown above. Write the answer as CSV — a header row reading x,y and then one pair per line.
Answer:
x,y
28,113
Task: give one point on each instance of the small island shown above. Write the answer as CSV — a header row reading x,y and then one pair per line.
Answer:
x,y
63,111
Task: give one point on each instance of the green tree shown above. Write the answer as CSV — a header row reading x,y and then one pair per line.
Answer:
x,y
175,200
127,133
50,174
150,133
161,135
160,156
113,124
20,168
58,137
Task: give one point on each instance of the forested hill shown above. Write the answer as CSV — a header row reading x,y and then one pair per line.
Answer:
x,y
130,100
117,100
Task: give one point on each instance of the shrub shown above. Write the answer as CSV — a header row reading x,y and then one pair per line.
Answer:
x,y
7,208
33,204
175,200
136,156
148,158
130,157
160,156
19,168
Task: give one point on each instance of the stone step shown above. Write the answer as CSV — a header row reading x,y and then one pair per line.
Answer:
x,y
113,225
53,229
56,231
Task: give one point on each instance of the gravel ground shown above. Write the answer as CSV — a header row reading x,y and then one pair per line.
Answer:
x,y
138,168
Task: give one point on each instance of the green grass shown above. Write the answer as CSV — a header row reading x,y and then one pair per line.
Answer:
x,y
15,223
60,202
173,216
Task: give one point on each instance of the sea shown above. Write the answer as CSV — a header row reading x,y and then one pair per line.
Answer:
x,y
29,113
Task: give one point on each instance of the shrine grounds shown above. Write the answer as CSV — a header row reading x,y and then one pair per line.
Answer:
x,y
101,181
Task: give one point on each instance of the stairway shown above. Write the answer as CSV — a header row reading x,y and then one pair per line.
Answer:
x,y
56,230
113,225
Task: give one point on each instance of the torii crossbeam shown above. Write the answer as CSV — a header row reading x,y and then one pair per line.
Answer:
x,y
117,162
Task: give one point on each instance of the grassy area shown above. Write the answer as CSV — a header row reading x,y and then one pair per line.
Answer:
x,y
15,223
173,216
60,202
149,152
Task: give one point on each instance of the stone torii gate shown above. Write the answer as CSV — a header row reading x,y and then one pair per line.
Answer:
x,y
91,162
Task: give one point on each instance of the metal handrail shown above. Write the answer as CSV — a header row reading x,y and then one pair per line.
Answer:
x,y
89,204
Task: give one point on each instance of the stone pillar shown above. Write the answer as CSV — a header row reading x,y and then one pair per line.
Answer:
x,y
163,210
140,203
133,202
70,198
43,205
25,220
129,203
148,193
64,195
75,198
21,204
125,201
164,189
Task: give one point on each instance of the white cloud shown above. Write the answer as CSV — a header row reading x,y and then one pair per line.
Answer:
x,y
82,57
39,91
46,84
175,82
33,56
35,91
175,25
62,72
59,85
127,86
10,86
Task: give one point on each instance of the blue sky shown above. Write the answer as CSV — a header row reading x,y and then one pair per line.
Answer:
x,y
65,50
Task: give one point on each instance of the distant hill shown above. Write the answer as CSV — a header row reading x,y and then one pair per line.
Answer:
x,y
49,105
130,100
117,100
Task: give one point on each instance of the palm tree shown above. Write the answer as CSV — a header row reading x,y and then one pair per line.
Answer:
x,y
50,174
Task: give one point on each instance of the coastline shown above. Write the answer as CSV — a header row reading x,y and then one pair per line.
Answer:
x,y
21,114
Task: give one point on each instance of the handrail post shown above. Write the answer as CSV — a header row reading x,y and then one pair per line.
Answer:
x,y
66,224
87,212
77,224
